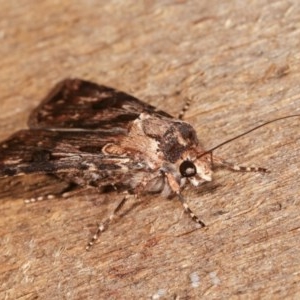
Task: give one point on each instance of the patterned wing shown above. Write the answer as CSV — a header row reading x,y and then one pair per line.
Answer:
x,y
68,131
72,156
50,152
74,103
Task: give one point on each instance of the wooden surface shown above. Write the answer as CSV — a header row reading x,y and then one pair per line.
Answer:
x,y
240,66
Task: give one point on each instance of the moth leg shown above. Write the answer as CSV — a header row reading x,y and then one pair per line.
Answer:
x,y
103,225
189,211
67,191
185,108
39,198
234,167
176,188
71,190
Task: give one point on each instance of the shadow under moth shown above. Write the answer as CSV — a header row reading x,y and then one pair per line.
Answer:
x,y
91,135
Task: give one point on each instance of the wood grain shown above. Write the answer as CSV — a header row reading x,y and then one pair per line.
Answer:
x,y
240,66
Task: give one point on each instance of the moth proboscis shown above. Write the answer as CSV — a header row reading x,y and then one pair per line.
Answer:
x,y
90,135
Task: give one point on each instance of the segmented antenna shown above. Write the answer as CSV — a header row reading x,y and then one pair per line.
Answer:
x,y
246,132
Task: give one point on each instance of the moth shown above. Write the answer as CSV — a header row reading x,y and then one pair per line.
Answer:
x,y
92,135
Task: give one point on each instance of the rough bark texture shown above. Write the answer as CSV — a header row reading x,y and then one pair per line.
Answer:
x,y
240,66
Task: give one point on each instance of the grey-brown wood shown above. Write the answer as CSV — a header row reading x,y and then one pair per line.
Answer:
x,y
239,63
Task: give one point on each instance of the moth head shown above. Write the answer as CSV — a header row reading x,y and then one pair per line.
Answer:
x,y
197,170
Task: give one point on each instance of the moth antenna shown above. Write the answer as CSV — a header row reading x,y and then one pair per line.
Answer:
x,y
246,132
185,108
189,211
103,225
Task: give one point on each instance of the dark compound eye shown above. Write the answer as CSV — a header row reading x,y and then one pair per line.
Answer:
x,y
187,169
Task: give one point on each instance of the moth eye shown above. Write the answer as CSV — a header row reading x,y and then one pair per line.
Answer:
x,y
187,169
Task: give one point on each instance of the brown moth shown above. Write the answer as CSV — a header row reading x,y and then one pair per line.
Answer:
x,y
92,135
